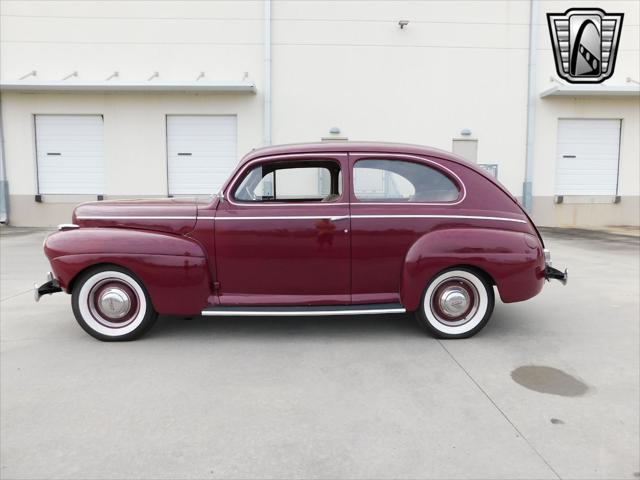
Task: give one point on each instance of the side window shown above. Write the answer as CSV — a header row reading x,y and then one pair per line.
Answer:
x,y
377,180
291,182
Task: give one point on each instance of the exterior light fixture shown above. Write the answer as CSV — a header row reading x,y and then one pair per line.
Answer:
x,y
334,134
403,23
465,132
32,73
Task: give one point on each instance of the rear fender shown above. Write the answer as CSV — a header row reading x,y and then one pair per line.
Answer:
x,y
514,261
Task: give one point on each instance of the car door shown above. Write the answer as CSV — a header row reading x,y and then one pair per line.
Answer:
x,y
282,233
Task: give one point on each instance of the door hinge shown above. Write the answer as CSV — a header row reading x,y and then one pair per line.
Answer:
x,y
216,286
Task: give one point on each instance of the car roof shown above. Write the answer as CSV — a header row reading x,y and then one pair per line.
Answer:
x,y
351,146
375,147
369,147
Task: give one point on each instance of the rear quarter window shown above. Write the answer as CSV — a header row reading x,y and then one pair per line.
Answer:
x,y
376,180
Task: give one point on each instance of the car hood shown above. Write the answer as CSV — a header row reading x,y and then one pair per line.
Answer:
x,y
164,215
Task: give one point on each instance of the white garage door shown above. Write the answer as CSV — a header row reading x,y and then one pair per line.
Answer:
x,y
70,154
587,157
201,151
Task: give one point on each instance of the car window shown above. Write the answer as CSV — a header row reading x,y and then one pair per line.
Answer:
x,y
399,181
291,181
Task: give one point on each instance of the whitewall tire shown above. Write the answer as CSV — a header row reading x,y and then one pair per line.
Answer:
x,y
111,304
457,303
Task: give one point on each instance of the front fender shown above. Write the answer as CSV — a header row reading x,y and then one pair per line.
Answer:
x,y
117,240
514,261
173,269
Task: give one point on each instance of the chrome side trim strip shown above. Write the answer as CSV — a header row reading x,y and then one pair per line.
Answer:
x,y
466,217
286,217
296,313
135,217
328,217
304,217
290,204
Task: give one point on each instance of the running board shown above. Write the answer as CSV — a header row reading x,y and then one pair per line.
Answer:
x,y
295,311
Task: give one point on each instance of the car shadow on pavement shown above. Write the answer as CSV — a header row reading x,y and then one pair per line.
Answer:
x,y
271,327
354,326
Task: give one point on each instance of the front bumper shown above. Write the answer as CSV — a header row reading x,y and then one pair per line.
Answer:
x,y
47,288
553,273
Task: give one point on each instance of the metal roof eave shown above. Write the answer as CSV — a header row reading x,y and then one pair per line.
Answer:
x,y
123,86
629,90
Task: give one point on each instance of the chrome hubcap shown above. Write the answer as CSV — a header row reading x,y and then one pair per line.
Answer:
x,y
454,301
114,303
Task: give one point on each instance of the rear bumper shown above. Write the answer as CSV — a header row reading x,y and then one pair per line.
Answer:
x,y
551,273
555,274
47,288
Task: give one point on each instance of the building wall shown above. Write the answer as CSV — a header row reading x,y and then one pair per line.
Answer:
x,y
422,84
177,39
457,65
134,136
588,211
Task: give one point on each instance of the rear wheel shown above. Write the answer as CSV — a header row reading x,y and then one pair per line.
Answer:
x,y
111,304
457,303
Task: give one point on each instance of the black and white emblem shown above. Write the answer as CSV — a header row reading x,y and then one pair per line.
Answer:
x,y
585,43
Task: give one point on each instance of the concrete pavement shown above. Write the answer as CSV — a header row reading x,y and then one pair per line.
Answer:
x,y
337,397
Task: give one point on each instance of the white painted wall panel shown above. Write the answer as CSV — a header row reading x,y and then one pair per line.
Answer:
x,y
587,156
202,152
337,65
70,154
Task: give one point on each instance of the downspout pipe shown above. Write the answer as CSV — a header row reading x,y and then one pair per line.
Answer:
x,y
532,99
266,140
4,184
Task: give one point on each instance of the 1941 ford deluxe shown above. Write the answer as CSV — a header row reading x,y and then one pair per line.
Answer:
x,y
312,229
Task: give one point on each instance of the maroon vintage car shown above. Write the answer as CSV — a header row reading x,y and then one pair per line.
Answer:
x,y
312,229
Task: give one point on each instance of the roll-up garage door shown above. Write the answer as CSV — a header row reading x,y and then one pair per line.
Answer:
x,y
70,154
587,156
201,151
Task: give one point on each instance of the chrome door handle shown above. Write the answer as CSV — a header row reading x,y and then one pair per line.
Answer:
x,y
342,217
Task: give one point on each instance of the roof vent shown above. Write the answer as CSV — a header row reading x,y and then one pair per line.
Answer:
x,y
334,135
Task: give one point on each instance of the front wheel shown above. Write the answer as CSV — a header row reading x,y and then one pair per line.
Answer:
x,y
111,304
457,303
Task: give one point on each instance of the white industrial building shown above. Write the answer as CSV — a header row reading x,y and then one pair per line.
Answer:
x,y
108,100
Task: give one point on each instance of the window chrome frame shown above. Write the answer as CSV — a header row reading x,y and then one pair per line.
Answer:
x,y
450,174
